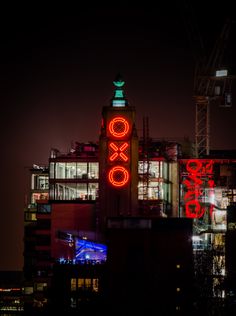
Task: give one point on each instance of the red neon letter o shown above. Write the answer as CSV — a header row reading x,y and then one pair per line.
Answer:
x,y
118,127
193,169
118,176
193,209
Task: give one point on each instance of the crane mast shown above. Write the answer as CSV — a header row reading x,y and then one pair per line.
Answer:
x,y
212,86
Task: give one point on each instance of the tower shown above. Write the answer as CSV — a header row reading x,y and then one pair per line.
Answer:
x,y
118,157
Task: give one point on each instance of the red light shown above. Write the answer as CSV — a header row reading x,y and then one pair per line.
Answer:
x,y
193,166
194,209
118,176
118,127
117,151
198,179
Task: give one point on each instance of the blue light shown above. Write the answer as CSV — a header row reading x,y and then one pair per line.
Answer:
x,y
89,251
118,103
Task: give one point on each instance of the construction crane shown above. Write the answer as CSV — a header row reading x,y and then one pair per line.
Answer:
x,y
212,86
212,78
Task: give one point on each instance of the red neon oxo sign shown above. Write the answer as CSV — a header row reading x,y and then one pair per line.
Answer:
x,y
199,179
118,151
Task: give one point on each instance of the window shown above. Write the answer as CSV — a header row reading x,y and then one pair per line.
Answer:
x,y
73,170
81,170
43,208
39,182
29,216
70,170
88,284
74,191
73,284
80,283
60,170
52,170
38,196
92,191
150,191
153,168
40,286
81,191
93,170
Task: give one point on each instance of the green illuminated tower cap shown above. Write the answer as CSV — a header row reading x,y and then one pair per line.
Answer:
x,y
118,99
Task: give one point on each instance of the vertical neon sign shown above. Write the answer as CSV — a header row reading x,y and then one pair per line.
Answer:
x,y
118,151
199,180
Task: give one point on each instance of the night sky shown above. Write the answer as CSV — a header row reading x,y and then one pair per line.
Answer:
x,y
57,65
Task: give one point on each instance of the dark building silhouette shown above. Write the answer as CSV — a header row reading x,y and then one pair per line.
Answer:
x,y
150,266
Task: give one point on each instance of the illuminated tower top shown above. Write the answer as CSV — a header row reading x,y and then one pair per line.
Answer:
x,y
119,99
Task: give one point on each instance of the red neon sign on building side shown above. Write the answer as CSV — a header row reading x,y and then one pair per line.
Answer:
x,y
197,183
118,151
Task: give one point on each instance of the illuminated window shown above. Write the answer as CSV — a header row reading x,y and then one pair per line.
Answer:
x,y
74,191
39,182
93,170
60,170
28,290
88,283
40,286
155,169
82,170
152,191
92,191
80,283
70,170
95,285
30,216
38,196
81,191
52,170
73,285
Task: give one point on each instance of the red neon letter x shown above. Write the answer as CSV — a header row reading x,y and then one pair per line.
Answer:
x,y
118,151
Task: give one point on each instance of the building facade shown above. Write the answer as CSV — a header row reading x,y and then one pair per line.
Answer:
x,y
119,179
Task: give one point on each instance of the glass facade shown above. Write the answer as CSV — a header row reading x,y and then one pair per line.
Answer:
x,y
76,184
84,283
81,180
154,181
39,182
74,191
74,170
